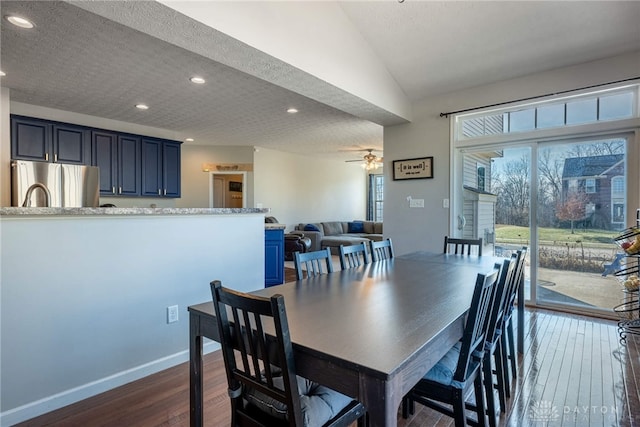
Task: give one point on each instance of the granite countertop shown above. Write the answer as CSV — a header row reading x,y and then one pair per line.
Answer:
x,y
19,211
274,226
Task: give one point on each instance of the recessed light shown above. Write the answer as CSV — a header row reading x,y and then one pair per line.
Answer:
x,y
197,80
19,21
142,106
188,140
292,111
2,73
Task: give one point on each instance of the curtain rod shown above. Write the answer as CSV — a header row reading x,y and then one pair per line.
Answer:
x,y
537,97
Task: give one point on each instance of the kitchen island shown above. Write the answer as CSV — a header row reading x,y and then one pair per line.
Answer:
x,y
85,294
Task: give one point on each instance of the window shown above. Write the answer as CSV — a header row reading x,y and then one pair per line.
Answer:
x,y
617,185
608,104
481,178
590,185
376,198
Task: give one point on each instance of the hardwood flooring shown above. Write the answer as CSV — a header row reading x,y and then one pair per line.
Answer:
x,y
575,372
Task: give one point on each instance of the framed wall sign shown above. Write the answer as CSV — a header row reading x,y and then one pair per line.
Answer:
x,y
413,168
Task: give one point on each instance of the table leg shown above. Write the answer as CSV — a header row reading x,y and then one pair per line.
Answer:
x,y
195,371
378,400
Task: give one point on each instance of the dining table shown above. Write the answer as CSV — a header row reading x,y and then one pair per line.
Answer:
x,y
369,332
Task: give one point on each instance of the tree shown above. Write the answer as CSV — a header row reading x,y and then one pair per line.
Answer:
x,y
573,208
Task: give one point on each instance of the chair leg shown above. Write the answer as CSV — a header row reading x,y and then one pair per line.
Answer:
x,y
487,372
512,350
459,416
480,403
502,385
505,366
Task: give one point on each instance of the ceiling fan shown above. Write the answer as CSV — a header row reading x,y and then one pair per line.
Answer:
x,y
370,160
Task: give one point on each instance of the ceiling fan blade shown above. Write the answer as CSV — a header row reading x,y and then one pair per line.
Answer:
x,y
349,161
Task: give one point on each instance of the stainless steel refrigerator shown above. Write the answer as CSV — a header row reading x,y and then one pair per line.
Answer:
x,y
64,185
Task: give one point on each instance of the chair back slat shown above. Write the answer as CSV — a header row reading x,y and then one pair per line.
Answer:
x,y
474,335
353,256
518,280
255,322
314,263
507,270
460,246
381,250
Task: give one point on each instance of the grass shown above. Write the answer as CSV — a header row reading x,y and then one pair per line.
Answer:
x,y
556,236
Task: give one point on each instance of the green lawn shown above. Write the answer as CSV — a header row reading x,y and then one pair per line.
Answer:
x,y
516,234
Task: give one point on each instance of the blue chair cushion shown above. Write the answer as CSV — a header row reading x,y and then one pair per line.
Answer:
x,y
355,227
319,403
311,227
443,371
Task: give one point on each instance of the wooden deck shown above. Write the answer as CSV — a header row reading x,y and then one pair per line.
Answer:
x,y
575,372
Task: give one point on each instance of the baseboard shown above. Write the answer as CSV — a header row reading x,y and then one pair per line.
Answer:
x,y
68,397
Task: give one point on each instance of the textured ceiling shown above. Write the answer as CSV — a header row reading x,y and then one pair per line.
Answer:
x,y
79,61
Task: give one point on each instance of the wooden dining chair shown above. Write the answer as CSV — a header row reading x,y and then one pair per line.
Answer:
x,y
354,256
451,379
509,343
493,355
261,374
381,250
462,245
312,262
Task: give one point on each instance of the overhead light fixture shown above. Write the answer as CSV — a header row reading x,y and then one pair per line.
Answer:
x,y
19,21
197,80
188,140
2,73
142,106
292,110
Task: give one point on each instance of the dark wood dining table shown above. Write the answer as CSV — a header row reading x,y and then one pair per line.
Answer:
x,y
370,332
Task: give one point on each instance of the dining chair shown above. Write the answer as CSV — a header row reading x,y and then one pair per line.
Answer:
x,y
451,379
460,245
492,348
312,262
354,256
260,367
381,250
506,326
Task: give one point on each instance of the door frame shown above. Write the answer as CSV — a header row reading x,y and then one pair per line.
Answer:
x,y
212,175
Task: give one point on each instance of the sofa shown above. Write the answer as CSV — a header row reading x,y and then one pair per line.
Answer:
x,y
332,234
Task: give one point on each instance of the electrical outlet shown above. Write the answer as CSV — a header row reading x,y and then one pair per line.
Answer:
x,y
445,203
172,314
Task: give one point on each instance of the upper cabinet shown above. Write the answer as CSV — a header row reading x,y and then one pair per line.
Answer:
x,y
118,158
45,141
160,168
130,165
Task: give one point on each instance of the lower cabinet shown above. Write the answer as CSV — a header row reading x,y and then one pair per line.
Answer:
x,y
273,257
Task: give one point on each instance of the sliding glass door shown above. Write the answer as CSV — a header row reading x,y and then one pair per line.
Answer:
x,y
565,200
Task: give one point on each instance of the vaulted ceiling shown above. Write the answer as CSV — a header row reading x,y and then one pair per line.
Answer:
x,y
349,68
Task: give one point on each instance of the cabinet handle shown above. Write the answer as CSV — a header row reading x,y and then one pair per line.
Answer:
x,y
159,192
119,190
46,157
55,158
113,190
165,191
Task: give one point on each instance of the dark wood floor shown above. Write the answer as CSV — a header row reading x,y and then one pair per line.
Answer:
x,y
575,372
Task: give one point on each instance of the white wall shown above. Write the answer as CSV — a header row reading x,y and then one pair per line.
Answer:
x,y
305,189
5,148
429,135
84,299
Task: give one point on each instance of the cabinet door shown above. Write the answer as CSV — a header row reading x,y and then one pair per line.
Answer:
x,y
71,145
30,139
171,169
273,257
104,149
129,166
152,167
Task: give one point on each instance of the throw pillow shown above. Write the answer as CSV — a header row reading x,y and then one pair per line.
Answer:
x,y
311,227
356,227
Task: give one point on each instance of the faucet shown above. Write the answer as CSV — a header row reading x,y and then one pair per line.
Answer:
x,y
47,195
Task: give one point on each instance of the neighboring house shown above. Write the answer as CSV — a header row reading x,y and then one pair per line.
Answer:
x,y
600,182
479,204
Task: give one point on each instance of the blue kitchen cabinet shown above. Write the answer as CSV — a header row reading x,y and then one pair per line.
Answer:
x,y
160,168
118,157
273,257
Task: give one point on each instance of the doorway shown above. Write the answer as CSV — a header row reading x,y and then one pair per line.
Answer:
x,y
566,201
227,190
